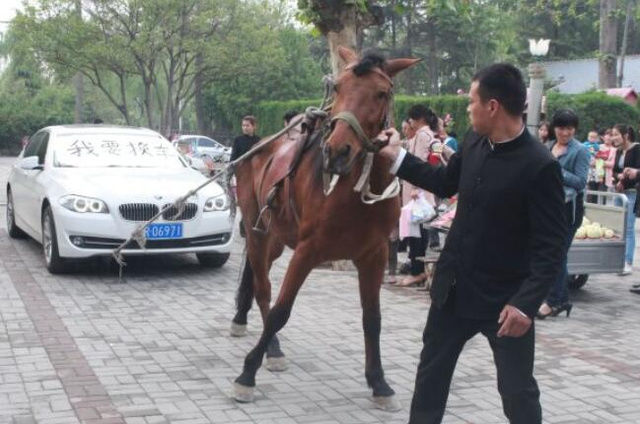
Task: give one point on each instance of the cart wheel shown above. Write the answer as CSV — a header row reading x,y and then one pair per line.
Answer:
x,y
576,282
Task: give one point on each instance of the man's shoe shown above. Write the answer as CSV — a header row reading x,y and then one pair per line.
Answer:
x,y
635,290
636,286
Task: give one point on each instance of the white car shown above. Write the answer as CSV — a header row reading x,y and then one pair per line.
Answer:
x,y
201,146
82,189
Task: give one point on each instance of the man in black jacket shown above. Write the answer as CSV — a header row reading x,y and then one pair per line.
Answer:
x,y
502,253
242,144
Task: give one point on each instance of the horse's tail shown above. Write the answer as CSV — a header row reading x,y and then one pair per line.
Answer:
x,y
244,296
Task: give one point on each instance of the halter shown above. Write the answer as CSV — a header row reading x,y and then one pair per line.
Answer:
x,y
369,145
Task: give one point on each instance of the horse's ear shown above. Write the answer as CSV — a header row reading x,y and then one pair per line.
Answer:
x,y
347,55
395,66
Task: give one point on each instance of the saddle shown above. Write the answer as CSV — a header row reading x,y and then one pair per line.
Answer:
x,y
276,176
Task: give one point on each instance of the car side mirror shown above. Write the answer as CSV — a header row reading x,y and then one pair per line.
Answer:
x,y
30,163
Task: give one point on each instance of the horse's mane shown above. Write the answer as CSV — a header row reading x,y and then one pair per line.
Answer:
x,y
369,61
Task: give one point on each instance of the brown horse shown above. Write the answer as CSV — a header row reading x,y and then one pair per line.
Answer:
x,y
318,227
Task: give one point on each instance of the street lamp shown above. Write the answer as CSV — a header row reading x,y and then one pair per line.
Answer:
x,y
538,49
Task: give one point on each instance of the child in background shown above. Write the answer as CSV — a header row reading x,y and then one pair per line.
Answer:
x,y
593,180
607,153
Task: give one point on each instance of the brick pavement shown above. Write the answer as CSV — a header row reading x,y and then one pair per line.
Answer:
x,y
155,349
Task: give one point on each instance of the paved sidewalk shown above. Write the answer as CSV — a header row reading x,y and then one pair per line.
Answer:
x,y
155,349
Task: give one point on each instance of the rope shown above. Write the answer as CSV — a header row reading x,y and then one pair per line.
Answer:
x,y
138,235
311,115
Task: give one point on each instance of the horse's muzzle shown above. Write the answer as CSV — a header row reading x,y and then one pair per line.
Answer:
x,y
340,162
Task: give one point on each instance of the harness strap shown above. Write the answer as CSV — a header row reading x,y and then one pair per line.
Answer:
x,y
352,121
363,185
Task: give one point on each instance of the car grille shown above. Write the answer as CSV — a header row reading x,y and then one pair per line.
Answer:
x,y
109,243
189,212
138,211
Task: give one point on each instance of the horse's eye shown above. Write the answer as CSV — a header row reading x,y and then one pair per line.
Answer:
x,y
382,95
335,88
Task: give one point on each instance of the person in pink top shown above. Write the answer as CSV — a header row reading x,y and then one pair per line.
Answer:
x,y
394,239
425,123
608,153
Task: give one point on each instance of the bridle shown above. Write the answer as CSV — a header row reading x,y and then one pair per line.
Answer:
x,y
370,146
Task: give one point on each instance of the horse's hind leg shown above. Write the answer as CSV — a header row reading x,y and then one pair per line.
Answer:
x,y
370,274
299,267
244,299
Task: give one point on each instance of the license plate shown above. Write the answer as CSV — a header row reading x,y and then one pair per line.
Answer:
x,y
164,231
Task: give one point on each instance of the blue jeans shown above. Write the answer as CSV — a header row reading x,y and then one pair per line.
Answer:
x,y
630,235
559,293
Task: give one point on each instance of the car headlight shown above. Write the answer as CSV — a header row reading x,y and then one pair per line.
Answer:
x,y
218,203
83,204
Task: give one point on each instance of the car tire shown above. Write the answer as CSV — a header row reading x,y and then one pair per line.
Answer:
x,y
575,282
212,260
55,264
12,228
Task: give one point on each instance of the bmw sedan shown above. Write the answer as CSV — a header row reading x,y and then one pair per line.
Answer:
x,y
81,190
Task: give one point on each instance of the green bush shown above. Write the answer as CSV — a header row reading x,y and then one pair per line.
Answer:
x,y
22,115
595,110
269,114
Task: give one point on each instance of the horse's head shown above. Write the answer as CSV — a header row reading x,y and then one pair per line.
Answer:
x,y
362,103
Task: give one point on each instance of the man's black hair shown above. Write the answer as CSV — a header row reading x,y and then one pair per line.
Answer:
x,y
503,82
423,112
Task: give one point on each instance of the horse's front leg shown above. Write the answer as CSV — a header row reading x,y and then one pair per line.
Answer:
x,y
370,274
299,268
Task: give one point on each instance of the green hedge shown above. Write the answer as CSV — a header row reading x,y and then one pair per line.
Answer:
x,y
269,114
595,110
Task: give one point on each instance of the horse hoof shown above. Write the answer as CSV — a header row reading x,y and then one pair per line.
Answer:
x,y
277,364
238,330
387,403
243,394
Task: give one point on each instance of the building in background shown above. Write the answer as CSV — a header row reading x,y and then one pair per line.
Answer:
x,y
580,75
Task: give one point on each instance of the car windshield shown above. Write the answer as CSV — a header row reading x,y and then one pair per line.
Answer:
x,y
114,150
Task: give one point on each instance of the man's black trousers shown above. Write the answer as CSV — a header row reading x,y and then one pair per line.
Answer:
x,y
444,337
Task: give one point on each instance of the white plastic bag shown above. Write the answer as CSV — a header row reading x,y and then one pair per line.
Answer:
x,y
421,210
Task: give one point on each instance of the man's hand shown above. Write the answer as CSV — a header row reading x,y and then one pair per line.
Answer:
x,y
513,322
630,173
392,142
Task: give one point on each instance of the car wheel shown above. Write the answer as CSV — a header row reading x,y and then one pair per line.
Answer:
x,y
575,282
12,228
212,260
55,264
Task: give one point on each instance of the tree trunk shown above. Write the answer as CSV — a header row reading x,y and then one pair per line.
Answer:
x,y
148,103
394,36
78,82
346,36
202,120
432,61
608,44
625,40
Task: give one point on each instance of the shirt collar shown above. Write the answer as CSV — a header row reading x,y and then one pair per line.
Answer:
x,y
492,144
